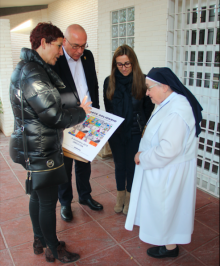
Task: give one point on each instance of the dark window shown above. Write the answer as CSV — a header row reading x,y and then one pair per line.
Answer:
x,y
208,58
217,59
208,149
191,80
209,142
211,126
199,162
201,36
207,165
215,81
194,15
188,16
201,147
193,41
202,140
186,57
212,13
219,12
207,80
217,146
203,124
185,75
218,36
214,168
199,79
203,14
187,37
210,36
192,58
200,58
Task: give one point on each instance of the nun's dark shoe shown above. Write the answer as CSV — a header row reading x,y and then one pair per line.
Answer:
x,y
162,252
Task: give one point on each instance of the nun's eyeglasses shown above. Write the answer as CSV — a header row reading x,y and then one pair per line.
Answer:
x,y
126,64
156,84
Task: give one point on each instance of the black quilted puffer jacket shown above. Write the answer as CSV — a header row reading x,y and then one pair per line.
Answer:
x,y
44,117
142,110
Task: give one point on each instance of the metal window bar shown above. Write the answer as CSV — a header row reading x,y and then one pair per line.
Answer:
x,y
196,63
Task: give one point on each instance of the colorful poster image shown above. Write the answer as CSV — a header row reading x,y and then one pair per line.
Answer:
x,y
87,138
91,130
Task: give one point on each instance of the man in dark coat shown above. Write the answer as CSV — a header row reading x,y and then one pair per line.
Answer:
x,y
76,68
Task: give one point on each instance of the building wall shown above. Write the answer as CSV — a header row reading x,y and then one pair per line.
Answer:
x,y
34,16
63,13
6,68
150,34
18,41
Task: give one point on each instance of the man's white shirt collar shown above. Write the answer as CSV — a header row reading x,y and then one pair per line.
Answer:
x,y
69,57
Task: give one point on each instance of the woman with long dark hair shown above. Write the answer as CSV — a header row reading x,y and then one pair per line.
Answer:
x,y
36,101
124,95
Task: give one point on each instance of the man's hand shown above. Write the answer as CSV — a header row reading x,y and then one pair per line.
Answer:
x,y
136,158
86,106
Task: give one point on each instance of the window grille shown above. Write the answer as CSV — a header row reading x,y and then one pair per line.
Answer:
x,y
122,28
193,54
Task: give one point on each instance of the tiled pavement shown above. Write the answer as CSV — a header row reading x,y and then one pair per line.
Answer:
x,y
99,237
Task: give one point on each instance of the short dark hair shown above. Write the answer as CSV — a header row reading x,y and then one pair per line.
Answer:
x,y
44,30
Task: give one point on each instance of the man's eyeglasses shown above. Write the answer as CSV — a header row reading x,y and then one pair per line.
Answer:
x,y
126,64
76,47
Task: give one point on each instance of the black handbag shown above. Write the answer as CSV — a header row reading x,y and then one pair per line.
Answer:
x,y
42,171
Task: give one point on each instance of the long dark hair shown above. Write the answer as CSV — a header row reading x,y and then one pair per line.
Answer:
x,y
138,85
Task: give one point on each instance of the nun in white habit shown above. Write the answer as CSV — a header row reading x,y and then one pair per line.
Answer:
x,y
163,193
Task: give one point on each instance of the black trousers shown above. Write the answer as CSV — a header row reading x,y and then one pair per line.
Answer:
x,y
82,173
42,209
123,155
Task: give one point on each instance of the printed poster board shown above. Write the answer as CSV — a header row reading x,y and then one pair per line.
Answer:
x,y
87,138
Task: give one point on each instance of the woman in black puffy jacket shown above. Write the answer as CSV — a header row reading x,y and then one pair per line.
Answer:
x,y
44,121
124,95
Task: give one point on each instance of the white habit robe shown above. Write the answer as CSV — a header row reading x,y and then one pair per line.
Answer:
x,y
163,193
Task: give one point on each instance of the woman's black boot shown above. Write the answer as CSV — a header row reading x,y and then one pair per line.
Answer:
x,y
38,246
61,254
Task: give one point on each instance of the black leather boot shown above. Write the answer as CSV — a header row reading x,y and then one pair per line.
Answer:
x,y
61,254
49,255
66,213
38,246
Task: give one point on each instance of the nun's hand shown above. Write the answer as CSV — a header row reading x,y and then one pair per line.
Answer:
x,y
136,158
86,106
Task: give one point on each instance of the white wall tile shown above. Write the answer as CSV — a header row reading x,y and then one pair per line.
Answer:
x,y
150,34
6,67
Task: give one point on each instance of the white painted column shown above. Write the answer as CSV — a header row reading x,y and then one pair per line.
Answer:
x,y
6,68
